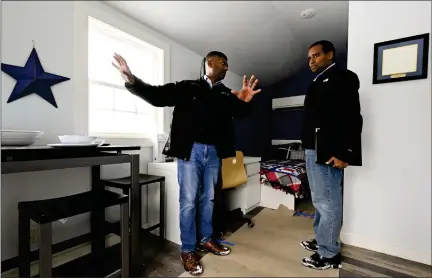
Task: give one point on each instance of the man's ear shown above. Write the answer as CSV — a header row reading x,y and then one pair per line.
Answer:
x,y
330,55
210,62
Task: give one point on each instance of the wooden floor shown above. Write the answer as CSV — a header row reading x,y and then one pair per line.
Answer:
x,y
358,262
164,260
159,259
269,250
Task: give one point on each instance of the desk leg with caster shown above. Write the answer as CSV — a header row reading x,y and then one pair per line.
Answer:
x,y
162,211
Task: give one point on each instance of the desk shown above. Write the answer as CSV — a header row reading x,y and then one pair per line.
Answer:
x,y
42,158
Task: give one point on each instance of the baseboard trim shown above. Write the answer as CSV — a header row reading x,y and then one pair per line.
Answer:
x,y
368,263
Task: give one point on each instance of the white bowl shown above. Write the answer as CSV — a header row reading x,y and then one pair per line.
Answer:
x,y
19,138
17,141
77,139
21,134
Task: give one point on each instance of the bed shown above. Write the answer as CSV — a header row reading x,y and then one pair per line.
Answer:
x,y
283,171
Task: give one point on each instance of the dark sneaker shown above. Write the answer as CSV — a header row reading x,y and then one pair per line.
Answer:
x,y
216,248
310,245
191,263
317,262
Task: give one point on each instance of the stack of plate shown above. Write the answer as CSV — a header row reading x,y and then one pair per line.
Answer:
x,y
19,138
77,141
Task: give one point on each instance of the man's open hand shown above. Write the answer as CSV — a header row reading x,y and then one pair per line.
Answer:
x,y
247,92
123,68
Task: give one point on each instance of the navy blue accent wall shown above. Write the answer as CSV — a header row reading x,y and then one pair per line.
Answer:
x,y
255,132
286,124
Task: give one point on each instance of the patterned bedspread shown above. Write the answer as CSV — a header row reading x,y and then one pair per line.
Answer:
x,y
288,176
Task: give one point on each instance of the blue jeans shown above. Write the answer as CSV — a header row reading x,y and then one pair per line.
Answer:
x,y
325,183
197,178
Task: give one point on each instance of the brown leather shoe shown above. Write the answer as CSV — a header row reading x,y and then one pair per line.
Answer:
x,y
216,248
191,263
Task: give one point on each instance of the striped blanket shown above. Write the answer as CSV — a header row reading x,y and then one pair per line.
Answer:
x,y
288,176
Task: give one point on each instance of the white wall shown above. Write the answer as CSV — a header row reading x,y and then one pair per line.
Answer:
x,y
59,30
387,201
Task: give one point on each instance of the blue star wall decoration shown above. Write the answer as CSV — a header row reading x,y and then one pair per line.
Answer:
x,y
32,78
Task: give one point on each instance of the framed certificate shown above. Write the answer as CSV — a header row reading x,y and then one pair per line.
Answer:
x,y
401,59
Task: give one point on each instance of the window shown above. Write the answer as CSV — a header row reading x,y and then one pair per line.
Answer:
x,y
112,109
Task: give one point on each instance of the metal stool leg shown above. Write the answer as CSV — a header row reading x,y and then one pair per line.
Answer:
x,y
24,245
45,256
124,228
126,191
162,211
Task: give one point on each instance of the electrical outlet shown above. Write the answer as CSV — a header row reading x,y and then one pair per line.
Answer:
x,y
34,234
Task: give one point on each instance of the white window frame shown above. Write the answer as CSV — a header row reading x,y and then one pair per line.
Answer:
x,y
160,114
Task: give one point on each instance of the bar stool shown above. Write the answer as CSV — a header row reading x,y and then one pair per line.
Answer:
x,y
124,183
44,212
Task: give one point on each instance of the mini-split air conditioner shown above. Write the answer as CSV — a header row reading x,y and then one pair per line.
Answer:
x,y
288,102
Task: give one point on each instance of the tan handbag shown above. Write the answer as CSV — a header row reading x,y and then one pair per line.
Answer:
x,y
233,171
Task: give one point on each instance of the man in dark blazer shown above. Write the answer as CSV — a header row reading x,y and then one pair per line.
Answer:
x,y
331,137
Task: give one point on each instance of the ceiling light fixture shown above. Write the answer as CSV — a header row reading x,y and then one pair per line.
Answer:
x,y
308,13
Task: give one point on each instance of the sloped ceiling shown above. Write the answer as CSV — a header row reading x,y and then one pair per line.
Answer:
x,y
266,38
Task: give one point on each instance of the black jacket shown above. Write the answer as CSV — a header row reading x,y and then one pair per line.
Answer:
x,y
332,104
191,99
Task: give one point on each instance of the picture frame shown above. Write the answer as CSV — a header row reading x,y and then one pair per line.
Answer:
x,y
401,59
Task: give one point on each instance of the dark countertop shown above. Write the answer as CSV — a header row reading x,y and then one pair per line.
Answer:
x,y
44,152
100,148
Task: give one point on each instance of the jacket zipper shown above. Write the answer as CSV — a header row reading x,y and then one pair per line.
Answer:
x,y
316,140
